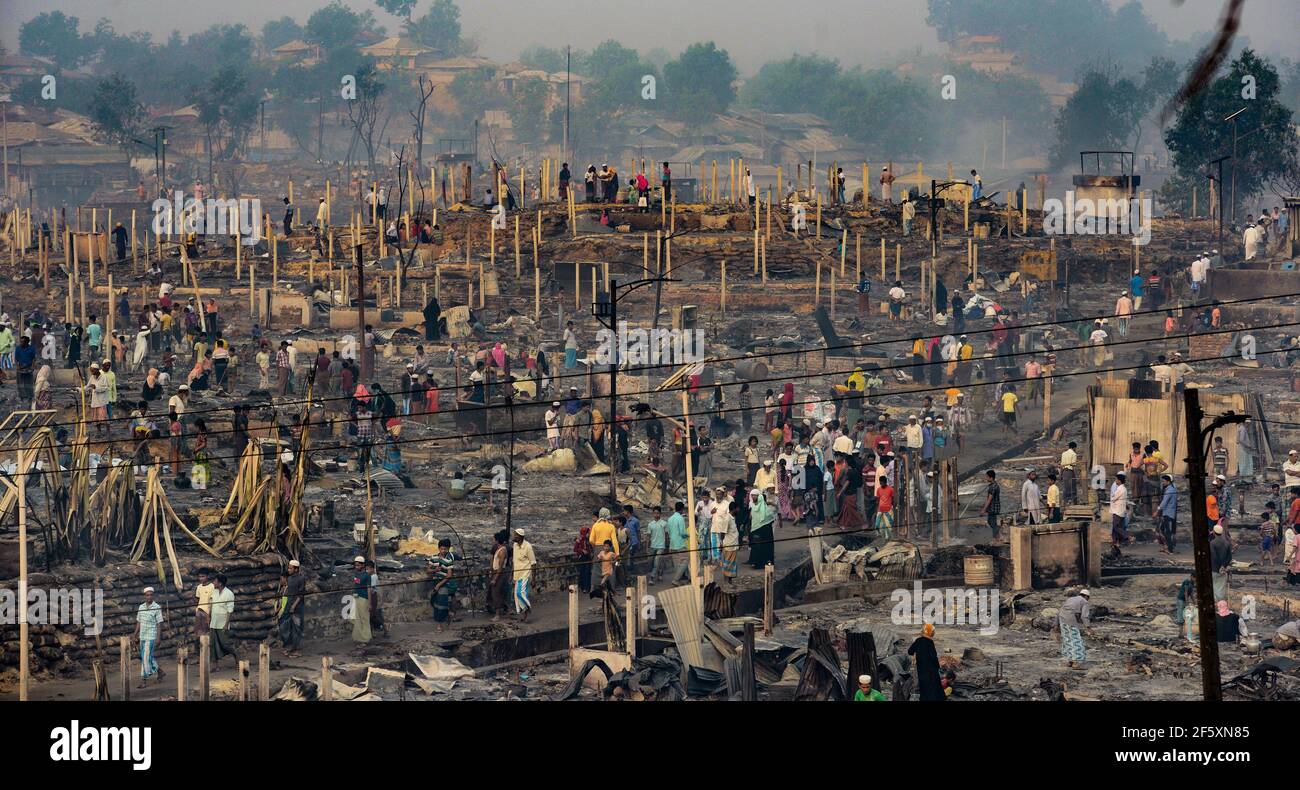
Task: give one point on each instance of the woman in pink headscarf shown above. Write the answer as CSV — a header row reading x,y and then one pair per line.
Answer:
x,y
787,401
499,356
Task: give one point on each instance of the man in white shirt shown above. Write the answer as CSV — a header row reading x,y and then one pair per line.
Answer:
x,y
1031,499
1199,267
223,608
1119,511
553,426
1291,470
896,298
1123,309
913,439
1069,459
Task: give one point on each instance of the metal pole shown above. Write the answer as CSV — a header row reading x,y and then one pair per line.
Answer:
x,y
1210,682
358,256
613,393
568,67
510,464
1234,170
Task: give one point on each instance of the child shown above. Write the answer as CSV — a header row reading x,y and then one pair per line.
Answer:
x,y
1267,533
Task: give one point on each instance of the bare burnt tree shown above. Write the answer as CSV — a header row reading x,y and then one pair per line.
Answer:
x,y
406,247
365,111
418,116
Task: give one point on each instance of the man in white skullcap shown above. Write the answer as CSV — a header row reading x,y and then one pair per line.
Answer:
x,y
865,692
148,630
292,608
524,561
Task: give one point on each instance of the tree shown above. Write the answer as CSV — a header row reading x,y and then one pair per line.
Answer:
x,y
699,83
366,109
1103,114
1055,36
527,110
891,113
337,26
280,31
1266,140
607,56
398,8
439,28
117,115
227,105
53,35
801,83
472,90
544,58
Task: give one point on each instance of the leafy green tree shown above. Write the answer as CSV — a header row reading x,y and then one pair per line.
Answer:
x,y
527,109
801,83
1266,138
336,26
280,31
398,8
699,84
53,35
607,56
117,114
545,58
227,104
1056,36
1102,115
439,28
890,113
472,91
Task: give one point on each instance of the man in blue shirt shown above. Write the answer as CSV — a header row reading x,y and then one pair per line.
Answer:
x,y
1136,286
679,543
1168,513
94,337
633,525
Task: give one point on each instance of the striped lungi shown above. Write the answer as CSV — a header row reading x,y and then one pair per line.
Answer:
x,y
1072,648
884,522
522,603
730,562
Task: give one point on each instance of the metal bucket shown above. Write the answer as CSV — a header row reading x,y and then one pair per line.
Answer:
x,y
979,570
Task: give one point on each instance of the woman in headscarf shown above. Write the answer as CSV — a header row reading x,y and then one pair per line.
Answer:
x,y
393,449
814,491
927,665
847,478
198,378
582,557
761,550
787,402
202,470
785,508
717,420
42,396
152,389
74,347
499,356
430,395
362,423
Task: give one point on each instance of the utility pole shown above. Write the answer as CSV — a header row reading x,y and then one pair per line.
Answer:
x,y
568,67
1210,682
613,393
366,362
510,464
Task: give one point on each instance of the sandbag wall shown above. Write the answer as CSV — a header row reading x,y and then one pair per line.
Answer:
x,y
68,648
